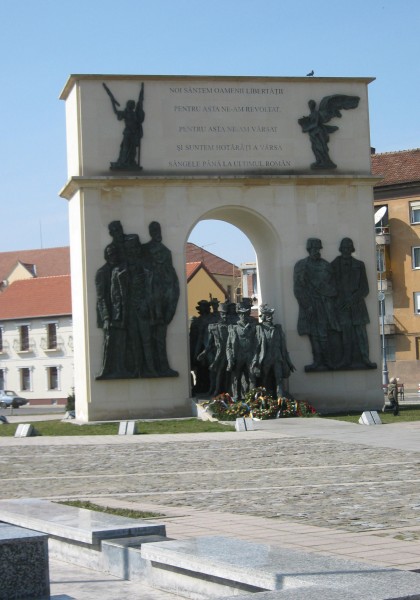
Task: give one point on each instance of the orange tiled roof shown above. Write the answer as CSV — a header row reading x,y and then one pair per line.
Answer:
x,y
38,297
397,167
47,261
214,264
192,268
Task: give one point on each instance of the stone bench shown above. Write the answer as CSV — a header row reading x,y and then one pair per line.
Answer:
x,y
222,567
75,534
24,563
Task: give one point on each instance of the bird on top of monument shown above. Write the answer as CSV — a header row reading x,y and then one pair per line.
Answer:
x,y
310,74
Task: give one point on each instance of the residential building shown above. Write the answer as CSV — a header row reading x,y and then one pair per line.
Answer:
x,y
398,245
201,285
36,339
226,273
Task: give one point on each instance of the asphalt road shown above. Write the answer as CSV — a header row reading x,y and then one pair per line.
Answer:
x,y
33,410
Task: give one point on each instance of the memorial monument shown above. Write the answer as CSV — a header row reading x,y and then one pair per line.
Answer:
x,y
151,156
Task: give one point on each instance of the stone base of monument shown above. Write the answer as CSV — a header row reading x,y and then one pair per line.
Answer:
x,y
24,563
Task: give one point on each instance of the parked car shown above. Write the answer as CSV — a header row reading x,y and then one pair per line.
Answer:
x,y
9,398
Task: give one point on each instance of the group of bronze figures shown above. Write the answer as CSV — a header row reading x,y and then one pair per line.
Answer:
x,y
137,293
332,308
231,352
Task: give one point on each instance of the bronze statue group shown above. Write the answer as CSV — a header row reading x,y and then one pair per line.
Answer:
x,y
231,352
332,308
137,293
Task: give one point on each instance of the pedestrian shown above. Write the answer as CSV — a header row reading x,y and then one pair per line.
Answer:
x,y
393,396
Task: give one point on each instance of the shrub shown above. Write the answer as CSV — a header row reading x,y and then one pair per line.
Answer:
x,y
71,401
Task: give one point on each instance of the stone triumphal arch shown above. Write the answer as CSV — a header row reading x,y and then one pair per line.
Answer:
x,y
283,159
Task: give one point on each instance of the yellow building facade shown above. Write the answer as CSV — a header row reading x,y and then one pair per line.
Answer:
x,y
398,239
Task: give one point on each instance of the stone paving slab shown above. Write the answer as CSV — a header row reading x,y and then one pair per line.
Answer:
x,y
327,476
304,480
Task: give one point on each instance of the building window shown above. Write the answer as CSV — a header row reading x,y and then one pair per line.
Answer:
x,y
417,303
25,379
2,379
1,340
52,336
390,347
229,292
416,257
414,212
52,374
24,338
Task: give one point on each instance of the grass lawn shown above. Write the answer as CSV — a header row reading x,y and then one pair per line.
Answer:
x,y
48,428
121,512
407,413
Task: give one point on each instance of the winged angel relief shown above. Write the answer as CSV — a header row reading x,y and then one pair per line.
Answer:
x,y
319,132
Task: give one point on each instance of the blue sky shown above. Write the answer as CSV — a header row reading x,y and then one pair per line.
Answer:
x,y
43,41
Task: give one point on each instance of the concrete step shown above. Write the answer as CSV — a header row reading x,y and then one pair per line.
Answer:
x,y
215,567
122,557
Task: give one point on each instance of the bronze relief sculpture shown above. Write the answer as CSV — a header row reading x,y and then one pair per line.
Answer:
x,y
137,293
315,125
332,309
133,116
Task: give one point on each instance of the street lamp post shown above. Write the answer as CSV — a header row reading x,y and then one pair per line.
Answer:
x,y
381,298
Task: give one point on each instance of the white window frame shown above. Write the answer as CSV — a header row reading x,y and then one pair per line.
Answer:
x,y
415,208
47,375
416,299
30,369
413,253
20,336
47,326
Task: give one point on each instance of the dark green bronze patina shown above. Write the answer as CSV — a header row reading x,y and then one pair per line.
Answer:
x,y
133,117
332,309
137,294
319,132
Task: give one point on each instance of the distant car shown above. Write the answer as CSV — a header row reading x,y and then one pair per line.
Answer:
x,y
9,398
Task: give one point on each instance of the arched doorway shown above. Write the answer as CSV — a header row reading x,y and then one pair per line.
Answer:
x,y
242,224
264,241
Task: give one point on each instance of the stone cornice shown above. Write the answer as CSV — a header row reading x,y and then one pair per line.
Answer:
x,y
78,183
74,79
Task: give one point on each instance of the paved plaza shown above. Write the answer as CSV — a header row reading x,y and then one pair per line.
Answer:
x,y
311,484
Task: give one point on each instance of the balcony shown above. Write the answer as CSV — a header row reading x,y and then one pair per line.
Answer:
x,y
383,237
389,324
385,281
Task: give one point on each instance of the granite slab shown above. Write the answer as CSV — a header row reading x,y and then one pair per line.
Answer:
x,y
272,568
122,558
24,569
70,523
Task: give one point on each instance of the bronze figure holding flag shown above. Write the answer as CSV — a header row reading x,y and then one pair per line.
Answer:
x,y
133,117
